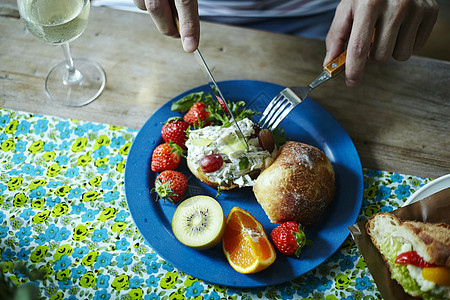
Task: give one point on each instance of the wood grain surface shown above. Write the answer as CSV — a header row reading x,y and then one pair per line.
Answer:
x,y
399,118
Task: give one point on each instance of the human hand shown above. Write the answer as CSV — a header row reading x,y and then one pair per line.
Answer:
x,y
401,27
162,15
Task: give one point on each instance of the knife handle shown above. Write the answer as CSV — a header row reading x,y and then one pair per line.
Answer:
x,y
174,14
336,65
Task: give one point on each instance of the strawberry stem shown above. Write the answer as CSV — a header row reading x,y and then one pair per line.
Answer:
x,y
177,149
300,238
163,190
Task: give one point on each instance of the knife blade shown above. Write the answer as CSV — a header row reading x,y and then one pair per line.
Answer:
x,y
216,90
211,81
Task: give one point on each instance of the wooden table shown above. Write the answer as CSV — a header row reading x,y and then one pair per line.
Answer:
x,y
399,118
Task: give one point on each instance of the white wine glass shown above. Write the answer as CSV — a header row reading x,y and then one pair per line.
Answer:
x,y
73,82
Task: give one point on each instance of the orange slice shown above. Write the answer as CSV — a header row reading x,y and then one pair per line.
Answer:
x,y
245,243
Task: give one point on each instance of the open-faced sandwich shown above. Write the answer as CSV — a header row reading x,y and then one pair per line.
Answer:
x,y
216,152
219,157
417,254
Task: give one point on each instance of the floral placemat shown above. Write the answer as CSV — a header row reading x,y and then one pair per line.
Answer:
x,y
63,212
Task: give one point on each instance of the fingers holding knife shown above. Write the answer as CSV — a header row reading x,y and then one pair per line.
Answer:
x,y
164,12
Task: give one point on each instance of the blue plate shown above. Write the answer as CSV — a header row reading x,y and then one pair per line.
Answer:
x,y
308,123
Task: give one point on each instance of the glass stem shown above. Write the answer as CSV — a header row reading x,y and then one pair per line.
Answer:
x,y
73,76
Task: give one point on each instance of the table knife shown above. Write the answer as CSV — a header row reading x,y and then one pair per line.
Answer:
x,y
216,90
211,81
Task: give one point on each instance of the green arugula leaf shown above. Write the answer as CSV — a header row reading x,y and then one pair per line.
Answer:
x,y
279,137
218,116
186,102
244,163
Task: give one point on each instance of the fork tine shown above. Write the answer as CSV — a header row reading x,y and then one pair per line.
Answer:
x,y
282,116
269,111
274,108
280,108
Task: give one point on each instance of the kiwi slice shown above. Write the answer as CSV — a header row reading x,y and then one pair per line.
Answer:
x,y
199,222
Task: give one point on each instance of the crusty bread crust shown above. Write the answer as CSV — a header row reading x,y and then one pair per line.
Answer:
x,y
430,240
297,186
436,238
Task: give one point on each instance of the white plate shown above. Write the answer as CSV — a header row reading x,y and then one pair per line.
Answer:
x,y
429,189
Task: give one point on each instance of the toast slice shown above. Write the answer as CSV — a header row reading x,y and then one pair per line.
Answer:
x,y
204,178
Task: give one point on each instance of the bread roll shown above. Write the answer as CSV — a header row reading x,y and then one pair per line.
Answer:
x,y
298,186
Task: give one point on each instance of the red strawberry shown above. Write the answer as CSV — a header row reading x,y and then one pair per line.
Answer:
x,y
289,238
195,113
175,130
166,156
170,185
223,105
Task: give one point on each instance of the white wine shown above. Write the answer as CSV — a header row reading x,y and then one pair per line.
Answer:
x,y
55,21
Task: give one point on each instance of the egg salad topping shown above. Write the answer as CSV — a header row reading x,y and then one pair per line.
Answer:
x,y
239,162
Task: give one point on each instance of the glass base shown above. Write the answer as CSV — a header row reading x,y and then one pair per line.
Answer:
x,y
81,92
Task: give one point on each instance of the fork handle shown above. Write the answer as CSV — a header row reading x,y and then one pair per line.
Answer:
x,y
336,65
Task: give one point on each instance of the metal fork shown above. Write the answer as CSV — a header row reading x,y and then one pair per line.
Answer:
x,y
280,106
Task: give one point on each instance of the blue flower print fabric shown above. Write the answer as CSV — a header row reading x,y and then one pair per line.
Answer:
x,y
63,211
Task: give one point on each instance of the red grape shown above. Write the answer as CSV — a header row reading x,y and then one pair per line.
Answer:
x,y
265,139
211,163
